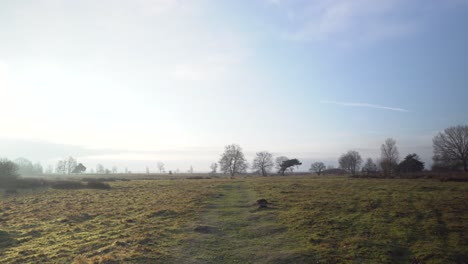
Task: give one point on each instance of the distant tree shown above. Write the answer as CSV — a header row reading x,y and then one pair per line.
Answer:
x,y
451,148
389,157
37,168
49,169
80,168
278,161
232,160
317,167
214,167
411,163
287,164
190,170
100,169
107,171
160,167
8,172
263,162
25,167
71,164
61,167
350,161
369,166
114,169
147,170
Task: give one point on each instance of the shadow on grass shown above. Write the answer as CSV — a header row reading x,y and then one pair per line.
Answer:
x,y
6,240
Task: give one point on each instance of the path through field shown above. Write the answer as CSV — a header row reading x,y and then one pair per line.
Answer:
x,y
233,229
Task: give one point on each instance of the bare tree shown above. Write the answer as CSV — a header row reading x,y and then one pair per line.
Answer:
x,y
147,170
451,147
263,162
37,168
389,157
369,166
350,161
190,170
25,166
61,167
317,167
100,169
214,167
50,169
8,172
114,169
71,164
232,160
160,167
279,160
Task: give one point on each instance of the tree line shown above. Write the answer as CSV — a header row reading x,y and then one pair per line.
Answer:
x,y
450,148
450,153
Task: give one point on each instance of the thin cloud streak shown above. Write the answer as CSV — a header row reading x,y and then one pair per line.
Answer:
x,y
366,105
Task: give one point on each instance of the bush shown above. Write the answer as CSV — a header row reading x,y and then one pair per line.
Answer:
x,y
68,185
8,172
98,185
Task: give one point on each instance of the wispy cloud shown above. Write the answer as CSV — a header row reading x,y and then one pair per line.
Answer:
x,y
345,20
354,104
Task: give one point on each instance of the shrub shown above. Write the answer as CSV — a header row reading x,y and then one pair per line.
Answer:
x,y
98,185
68,185
8,172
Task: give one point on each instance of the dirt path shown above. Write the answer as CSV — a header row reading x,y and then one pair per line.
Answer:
x,y
233,230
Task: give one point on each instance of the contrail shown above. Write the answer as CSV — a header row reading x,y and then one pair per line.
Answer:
x,y
366,105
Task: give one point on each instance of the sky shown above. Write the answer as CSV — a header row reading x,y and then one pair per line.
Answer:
x,y
132,83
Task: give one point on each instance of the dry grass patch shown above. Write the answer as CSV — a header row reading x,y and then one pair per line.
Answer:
x,y
137,220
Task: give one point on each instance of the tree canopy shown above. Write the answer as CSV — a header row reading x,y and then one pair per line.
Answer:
x,y
232,160
287,164
451,148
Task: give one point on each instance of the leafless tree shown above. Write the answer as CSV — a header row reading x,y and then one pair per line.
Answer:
x,y
190,170
232,160
50,169
263,162
25,166
147,170
279,160
451,147
100,169
8,172
350,161
71,164
61,167
369,167
214,167
114,169
160,167
37,168
389,157
317,167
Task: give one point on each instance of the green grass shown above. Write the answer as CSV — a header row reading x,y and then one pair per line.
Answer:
x,y
309,220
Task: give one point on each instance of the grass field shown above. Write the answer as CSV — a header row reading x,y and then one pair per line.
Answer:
x,y
308,220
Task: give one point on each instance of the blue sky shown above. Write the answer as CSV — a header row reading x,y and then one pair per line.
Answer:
x,y
131,83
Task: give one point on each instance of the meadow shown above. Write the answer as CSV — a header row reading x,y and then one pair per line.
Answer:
x,y
308,219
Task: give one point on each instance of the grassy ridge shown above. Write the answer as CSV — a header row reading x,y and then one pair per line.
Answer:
x,y
309,220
